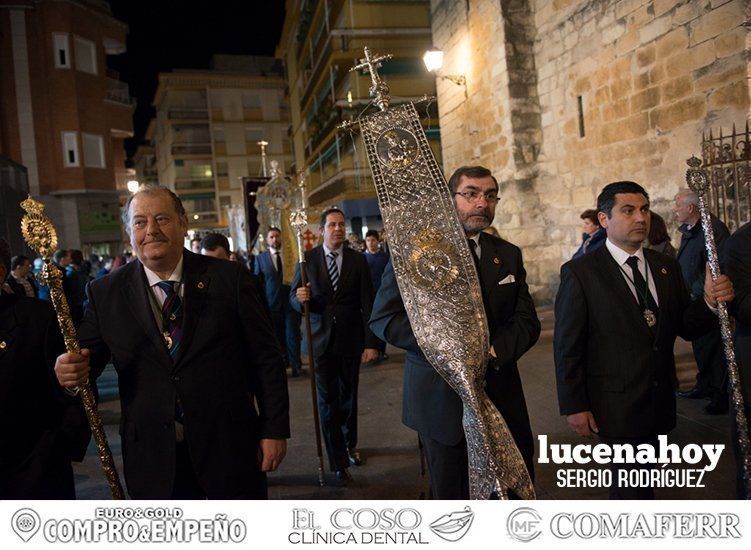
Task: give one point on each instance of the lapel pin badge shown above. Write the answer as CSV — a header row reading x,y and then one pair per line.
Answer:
x,y
201,285
496,261
664,271
3,345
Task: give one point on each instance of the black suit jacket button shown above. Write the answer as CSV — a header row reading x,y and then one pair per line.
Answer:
x,y
655,383
655,348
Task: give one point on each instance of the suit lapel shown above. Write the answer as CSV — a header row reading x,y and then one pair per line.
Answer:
x,y
195,286
323,272
347,267
615,278
136,296
491,263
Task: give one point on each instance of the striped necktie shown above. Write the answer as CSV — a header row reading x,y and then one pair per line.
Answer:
x,y
172,327
172,317
333,270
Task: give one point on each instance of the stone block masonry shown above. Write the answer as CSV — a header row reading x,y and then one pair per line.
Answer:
x,y
565,96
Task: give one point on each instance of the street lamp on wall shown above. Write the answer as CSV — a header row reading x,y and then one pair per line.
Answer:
x,y
433,60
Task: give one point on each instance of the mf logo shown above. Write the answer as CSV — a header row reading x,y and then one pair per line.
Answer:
x,y
523,524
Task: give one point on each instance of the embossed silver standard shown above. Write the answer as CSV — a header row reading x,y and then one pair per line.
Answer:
x,y
698,181
438,282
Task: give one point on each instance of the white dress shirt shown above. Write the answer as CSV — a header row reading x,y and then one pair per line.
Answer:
x,y
338,257
620,256
158,293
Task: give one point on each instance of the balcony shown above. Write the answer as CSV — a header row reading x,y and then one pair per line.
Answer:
x,y
187,113
187,185
187,149
117,92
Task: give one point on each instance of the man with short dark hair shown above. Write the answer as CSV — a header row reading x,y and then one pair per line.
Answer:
x,y
430,406
43,428
215,245
269,266
21,281
617,314
711,379
340,299
202,386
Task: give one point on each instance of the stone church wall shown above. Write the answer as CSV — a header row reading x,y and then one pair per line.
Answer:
x,y
564,96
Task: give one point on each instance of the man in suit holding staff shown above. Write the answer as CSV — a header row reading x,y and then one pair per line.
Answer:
x,y
340,298
617,314
202,384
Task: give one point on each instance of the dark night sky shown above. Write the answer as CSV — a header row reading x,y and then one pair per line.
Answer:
x,y
181,34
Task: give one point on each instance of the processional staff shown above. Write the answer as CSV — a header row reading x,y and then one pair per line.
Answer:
x,y
299,220
40,234
697,180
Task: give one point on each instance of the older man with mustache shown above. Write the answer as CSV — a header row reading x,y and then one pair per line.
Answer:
x,y
201,378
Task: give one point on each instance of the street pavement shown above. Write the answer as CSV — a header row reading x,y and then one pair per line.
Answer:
x,y
392,468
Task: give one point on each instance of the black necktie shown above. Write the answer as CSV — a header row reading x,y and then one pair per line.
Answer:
x,y
278,262
473,249
641,286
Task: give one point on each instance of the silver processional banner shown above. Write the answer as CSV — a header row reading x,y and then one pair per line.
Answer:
x,y
441,290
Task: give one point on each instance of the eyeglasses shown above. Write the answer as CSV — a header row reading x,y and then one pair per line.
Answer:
x,y
474,196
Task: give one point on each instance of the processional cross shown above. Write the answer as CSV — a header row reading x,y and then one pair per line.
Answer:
x,y
379,90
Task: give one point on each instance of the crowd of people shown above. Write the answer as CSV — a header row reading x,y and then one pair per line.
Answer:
x,y
202,339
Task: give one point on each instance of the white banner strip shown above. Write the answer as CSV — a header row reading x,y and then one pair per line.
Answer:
x,y
306,524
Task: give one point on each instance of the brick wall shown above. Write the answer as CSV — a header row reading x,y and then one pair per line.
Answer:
x,y
652,76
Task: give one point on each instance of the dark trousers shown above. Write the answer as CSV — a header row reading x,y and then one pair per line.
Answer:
x,y
710,360
293,334
41,475
448,466
629,493
337,379
287,329
187,486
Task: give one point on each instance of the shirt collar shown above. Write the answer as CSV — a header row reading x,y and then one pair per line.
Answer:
x,y
176,275
620,255
326,249
476,238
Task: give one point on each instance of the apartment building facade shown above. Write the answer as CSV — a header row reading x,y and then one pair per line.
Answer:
x,y
320,42
207,128
64,115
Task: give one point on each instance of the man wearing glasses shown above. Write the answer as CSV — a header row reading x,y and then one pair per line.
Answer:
x,y
430,406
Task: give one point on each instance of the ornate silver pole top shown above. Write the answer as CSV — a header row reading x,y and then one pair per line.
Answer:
x,y
379,91
696,177
263,144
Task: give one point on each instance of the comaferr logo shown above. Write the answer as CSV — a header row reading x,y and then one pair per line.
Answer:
x,y
589,525
453,526
523,524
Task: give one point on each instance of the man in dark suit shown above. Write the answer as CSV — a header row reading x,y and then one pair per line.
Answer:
x,y
20,280
43,428
202,386
430,406
711,378
270,267
340,299
738,268
617,314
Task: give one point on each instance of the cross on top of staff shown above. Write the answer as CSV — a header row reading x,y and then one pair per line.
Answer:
x,y
379,90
